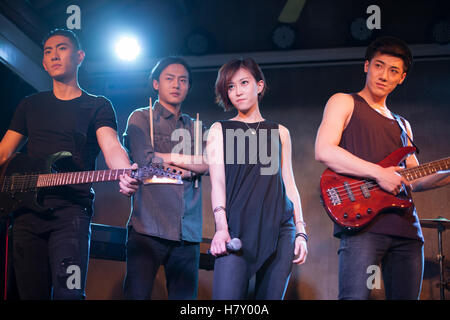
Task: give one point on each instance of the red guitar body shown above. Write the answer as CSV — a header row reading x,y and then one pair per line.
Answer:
x,y
353,202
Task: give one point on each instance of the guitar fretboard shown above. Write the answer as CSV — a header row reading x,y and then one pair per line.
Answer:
x,y
60,179
26,182
425,169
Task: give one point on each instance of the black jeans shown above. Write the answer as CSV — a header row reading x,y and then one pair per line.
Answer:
x,y
50,253
401,262
231,279
145,254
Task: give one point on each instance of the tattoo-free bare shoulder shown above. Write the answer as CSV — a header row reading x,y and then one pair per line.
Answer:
x,y
340,107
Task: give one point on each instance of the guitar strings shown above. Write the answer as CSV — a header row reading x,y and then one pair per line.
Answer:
x,y
22,182
358,183
355,186
407,171
357,194
30,181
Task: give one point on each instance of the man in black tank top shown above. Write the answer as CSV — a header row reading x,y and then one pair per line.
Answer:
x,y
356,132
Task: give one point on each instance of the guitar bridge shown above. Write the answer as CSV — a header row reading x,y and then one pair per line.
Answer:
x,y
334,196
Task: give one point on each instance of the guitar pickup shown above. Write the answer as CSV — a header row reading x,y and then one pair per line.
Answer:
x,y
350,194
365,189
334,196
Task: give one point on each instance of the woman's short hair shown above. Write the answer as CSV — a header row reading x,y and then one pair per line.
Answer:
x,y
227,71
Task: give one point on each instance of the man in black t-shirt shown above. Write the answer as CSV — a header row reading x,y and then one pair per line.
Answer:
x,y
51,250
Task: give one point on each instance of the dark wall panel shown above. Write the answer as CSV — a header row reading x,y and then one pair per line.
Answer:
x,y
296,98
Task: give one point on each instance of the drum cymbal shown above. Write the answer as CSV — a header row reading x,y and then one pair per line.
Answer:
x,y
435,223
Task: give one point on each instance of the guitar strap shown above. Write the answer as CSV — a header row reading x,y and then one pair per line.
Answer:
x,y
402,127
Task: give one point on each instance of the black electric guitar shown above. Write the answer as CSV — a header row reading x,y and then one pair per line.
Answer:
x,y
21,179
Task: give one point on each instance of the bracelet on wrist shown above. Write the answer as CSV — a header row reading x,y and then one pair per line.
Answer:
x,y
303,235
218,209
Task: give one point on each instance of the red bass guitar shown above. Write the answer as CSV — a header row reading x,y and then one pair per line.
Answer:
x,y
353,202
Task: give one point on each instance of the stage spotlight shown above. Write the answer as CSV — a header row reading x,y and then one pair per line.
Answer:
x,y
359,29
127,48
283,36
197,43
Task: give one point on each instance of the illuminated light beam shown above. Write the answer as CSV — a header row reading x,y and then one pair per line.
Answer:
x,y
127,48
291,11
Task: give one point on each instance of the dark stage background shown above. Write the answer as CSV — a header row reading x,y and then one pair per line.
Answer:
x,y
296,97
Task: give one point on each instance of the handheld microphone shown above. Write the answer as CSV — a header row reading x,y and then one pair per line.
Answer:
x,y
234,245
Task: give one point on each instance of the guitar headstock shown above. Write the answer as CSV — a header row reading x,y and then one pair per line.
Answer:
x,y
156,175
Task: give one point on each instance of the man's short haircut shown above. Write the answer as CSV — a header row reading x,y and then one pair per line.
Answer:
x,y
164,63
66,33
393,47
227,71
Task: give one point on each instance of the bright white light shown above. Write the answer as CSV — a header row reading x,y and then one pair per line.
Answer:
x,y
127,48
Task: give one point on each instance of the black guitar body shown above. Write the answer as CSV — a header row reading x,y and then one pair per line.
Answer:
x,y
12,199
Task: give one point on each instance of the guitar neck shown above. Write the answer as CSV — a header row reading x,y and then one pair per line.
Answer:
x,y
66,178
425,169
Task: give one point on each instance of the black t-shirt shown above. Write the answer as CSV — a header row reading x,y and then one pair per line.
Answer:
x,y
54,125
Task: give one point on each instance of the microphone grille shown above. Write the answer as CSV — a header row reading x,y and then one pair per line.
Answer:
x,y
235,244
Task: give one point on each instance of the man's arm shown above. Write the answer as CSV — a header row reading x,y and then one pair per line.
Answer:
x,y
137,140
195,164
116,158
336,116
12,142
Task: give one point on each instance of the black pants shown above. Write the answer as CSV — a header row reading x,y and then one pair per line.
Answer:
x,y
145,254
401,262
51,253
231,278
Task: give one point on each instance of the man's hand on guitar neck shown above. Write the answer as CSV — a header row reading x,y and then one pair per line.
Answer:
x,y
128,186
